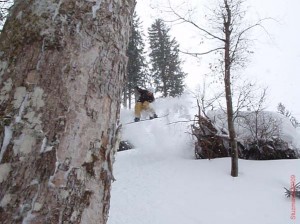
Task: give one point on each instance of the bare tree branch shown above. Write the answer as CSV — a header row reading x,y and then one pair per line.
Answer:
x,y
240,34
202,53
194,24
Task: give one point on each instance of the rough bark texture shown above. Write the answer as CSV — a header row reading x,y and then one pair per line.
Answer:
x,y
62,65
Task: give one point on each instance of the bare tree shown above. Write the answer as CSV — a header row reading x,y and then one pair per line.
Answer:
x,y
206,102
258,123
62,65
229,33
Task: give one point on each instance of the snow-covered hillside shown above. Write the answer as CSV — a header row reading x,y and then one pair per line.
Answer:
x,y
160,182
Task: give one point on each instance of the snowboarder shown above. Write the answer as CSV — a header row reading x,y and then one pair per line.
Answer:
x,y
143,103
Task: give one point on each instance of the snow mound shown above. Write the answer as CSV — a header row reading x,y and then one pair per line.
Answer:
x,y
269,124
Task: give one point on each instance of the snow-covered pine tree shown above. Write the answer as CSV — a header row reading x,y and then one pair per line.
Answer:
x,y
136,67
166,68
62,67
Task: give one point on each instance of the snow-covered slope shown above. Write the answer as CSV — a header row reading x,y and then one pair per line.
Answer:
x,y
160,182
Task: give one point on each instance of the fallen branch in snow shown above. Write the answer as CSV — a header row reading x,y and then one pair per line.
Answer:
x,y
175,122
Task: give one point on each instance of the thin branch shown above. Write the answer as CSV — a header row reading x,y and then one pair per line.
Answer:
x,y
245,30
175,122
194,24
202,53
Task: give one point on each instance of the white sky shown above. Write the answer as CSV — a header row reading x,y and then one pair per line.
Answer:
x,y
275,61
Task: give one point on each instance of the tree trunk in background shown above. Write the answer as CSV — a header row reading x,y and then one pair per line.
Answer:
x,y
125,94
62,65
228,92
129,99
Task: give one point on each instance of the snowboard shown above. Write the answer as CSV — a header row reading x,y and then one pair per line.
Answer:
x,y
148,119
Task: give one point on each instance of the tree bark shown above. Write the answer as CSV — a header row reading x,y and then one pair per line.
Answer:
x,y
228,93
62,65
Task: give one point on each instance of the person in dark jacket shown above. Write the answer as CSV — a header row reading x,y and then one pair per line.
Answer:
x,y
143,104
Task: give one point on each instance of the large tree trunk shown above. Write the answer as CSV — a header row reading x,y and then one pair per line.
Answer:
x,y
62,65
228,92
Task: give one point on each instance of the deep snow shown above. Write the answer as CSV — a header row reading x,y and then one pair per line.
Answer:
x,y
160,182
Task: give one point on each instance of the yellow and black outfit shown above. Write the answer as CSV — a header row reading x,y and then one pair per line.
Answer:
x,y
143,104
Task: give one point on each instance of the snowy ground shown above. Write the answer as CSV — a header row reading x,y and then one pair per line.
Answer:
x,y
160,182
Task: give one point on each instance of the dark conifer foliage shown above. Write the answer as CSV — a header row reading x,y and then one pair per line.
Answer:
x,y
166,70
136,66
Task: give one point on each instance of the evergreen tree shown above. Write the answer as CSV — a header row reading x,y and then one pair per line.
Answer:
x,y
166,68
136,66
